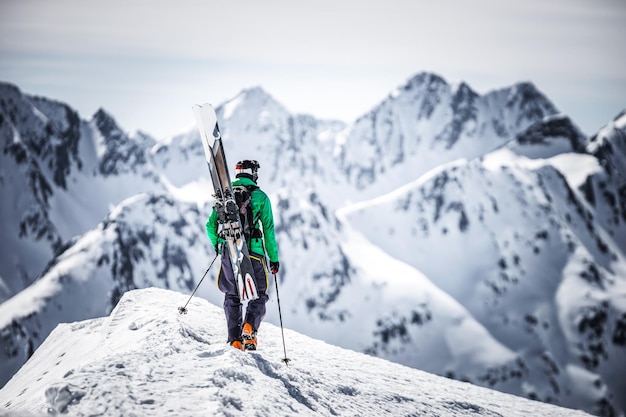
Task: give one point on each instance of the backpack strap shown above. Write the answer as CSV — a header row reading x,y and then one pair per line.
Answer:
x,y
256,232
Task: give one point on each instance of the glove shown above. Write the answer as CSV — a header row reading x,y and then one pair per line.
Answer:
x,y
274,267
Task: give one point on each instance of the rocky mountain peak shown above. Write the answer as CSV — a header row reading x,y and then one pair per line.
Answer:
x,y
424,80
107,125
533,104
254,100
554,134
609,146
118,152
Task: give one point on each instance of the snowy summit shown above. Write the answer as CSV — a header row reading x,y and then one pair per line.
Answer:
x,y
146,359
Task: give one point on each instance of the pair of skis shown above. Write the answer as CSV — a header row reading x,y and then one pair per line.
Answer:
x,y
229,224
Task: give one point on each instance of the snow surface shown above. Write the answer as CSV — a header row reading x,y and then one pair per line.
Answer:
x,y
147,359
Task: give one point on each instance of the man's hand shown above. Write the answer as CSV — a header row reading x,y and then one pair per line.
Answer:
x,y
274,267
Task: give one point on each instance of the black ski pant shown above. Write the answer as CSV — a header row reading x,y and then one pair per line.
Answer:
x,y
233,308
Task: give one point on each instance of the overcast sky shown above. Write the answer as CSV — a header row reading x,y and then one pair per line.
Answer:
x,y
148,61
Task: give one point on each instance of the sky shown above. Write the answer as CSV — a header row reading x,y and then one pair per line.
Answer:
x,y
147,61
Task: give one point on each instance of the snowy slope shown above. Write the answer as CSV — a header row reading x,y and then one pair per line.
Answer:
x,y
350,293
146,359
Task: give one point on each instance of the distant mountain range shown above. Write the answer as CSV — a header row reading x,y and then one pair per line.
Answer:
x,y
480,237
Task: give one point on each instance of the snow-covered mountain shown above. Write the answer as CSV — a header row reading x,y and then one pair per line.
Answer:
x,y
605,191
477,237
146,359
514,243
51,164
427,122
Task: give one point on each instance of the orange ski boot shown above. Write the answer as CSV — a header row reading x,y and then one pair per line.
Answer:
x,y
249,337
237,344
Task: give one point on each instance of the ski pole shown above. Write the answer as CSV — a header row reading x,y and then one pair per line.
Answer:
x,y
183,310
280,316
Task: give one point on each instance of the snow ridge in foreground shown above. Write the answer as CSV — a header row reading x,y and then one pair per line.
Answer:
x,y
146,359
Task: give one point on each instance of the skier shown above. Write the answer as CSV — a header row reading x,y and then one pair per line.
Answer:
x,y
260,240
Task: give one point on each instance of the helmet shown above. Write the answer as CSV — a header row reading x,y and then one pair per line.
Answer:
x,y
247,168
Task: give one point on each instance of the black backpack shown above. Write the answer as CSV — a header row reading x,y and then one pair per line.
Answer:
x,y
243,198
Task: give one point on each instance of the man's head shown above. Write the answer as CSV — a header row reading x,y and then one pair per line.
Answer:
x,y
247,168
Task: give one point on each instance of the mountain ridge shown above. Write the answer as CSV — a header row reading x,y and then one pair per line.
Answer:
x,y
148,359
327,257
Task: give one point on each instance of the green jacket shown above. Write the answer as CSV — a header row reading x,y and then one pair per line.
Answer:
x,y
262,210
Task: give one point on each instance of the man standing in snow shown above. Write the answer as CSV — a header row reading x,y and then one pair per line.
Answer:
x,y
244,337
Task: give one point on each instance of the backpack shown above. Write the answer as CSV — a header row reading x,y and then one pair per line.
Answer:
x,y
243,198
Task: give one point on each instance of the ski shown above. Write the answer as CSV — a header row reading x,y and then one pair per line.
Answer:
x,y
230,227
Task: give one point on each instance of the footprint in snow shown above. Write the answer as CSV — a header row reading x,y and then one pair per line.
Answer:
x,y
211,354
